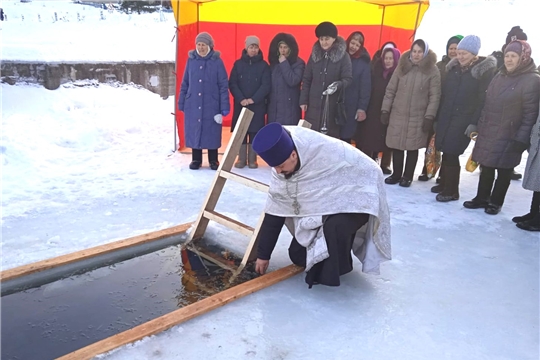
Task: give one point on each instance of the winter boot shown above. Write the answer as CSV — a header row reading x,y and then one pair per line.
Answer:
x,y
196,159
530,225
535,209
451,187
242,157
252,157
441,183
213,159
386,159
424,176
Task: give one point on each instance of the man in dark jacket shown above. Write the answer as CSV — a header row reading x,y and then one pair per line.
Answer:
x,y
287,70
250,84
329,216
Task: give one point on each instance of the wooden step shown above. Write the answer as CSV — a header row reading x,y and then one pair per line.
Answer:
x,y
254,184
228,222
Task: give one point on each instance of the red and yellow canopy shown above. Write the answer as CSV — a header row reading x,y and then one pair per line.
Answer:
x,y
230,21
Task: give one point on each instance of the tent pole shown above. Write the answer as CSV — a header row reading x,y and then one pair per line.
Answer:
x,y
382,26
177,29
417,16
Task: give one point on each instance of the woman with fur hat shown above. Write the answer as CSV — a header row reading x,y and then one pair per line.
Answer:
x,y
328,69
504,128
357,94
204,99
409,108
462,100
287,70
250,84
370,136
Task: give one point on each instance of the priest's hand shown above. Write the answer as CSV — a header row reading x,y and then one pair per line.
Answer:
x,y
261,266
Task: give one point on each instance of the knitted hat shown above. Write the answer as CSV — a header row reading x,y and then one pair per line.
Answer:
x,y
470,43
252,40
522,48
326,29
273,144
453,40
516,33
206,38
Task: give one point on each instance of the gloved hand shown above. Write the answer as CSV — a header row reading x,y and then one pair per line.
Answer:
x,y
385,118
470,129
332,88
218,118
225,113
427,125
517,147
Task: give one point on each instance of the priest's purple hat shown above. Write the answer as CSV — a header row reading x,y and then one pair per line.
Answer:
x,y
273,144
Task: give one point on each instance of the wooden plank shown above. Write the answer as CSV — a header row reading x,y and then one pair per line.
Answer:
x,y
254,184
92,252
216,259
229,222
226,164
184,314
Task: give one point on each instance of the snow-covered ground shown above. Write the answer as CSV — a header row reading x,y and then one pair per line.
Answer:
x,y
88,164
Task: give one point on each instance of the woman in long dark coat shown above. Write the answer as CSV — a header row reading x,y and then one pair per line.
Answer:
x,y
371,134
204,99
328,65
462,100
504,128
287,70
250,85
358,92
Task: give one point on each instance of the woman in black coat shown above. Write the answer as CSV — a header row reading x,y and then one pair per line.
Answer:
x,y
504,128
464,92
357,94
249,84
370,135
287,70
328,68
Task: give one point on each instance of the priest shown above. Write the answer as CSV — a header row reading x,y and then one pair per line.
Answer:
x,y
331,198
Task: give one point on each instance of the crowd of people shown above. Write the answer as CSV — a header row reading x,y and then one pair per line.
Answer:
x,y
393,103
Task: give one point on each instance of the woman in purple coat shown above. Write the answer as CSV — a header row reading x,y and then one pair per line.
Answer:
x,y
371,134
287,70
358,92
204,99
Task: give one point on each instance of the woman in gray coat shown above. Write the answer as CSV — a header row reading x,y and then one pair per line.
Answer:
x,y
531,181
504,128
329,67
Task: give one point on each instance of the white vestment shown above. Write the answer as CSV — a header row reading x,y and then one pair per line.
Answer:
x,y
334,178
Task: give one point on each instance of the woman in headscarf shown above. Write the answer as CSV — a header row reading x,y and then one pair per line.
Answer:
x,y
328,69
371,134
287,70
250,84
204,99
463,97
358,92
409,108
504,129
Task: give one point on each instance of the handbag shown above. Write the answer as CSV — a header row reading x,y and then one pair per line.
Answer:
x,y
433,158
341,112
471,165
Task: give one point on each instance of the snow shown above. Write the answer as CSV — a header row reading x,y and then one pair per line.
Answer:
x,y
91,163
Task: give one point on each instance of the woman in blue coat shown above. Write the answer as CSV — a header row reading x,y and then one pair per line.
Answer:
x,y
287,70
357,94
250,85
204,99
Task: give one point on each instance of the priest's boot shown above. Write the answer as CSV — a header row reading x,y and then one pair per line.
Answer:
x,y
242,157
451,187
252,158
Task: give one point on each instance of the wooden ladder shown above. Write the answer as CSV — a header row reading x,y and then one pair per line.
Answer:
x,y
208,212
